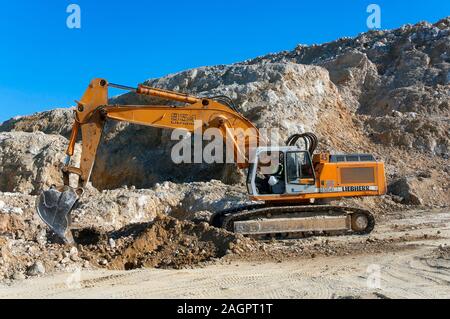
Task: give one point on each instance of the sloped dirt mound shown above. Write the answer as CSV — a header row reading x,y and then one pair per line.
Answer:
x,y
164,243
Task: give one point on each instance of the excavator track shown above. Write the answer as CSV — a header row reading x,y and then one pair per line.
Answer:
x,y
265,221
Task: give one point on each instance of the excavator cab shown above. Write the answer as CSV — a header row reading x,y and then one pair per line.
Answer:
x,y
281,170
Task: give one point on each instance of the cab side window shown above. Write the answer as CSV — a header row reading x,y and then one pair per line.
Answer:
x,y
298,166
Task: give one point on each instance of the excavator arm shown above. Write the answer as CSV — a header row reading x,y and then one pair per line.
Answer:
x,y
192,114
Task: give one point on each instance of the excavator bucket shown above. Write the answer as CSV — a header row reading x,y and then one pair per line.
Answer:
x,y
54,207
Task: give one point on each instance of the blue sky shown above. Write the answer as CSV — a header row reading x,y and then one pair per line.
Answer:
x,y
44,64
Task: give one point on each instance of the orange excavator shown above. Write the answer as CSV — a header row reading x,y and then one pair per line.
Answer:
x,y
287,182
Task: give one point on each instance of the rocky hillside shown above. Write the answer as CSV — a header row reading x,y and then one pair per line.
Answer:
x,y
383,92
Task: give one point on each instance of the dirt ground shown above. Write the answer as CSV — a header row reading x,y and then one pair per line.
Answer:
x,y
407,256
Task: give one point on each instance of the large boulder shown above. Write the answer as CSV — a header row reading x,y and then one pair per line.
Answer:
x,y
421,189
404,188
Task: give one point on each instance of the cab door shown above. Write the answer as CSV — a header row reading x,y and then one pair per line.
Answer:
x,y
300,177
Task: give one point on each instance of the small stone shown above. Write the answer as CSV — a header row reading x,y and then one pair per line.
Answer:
x,y
397,199
103,262
237,251
18,276
17,210
36,269
73,251
112,243
396,113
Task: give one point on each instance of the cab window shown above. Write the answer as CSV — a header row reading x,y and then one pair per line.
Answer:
x,y
298,167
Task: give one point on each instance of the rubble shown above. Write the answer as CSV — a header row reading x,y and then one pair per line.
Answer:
x,y
103,217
